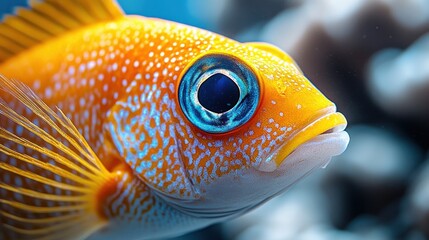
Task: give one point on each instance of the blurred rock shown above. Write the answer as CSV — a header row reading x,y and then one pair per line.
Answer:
x,y
378,157
399,80
371,174
362,24
326,233
284,217
333,41
419,199
415,235
232,16
369,57
358,191
209,233
370,227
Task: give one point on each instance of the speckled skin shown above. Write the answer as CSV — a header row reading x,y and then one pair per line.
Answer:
x,y
118,83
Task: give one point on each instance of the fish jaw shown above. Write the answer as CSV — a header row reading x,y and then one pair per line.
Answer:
x,y
247,189
323,137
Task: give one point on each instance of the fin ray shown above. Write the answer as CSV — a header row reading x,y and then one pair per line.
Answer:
x,y
59,207
40,21
5,53
26,28
16,36
43,165
45,230
27,124
41,179
45,136
50,18
44,196
11,46
54,13
48,115
78,231
74,9
37,209
42,221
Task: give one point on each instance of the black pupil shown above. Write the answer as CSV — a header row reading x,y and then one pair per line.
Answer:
x,y
218,93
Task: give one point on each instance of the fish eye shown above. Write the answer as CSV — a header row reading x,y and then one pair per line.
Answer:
x,y
218,93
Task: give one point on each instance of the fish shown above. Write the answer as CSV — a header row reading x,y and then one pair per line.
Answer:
x,y
115,125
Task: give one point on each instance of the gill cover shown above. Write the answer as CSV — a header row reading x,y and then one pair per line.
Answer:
x,y
218,93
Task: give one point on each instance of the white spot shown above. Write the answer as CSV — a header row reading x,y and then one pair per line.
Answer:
x,y
57,86
91,64
71,70
82,68
48,92
36,84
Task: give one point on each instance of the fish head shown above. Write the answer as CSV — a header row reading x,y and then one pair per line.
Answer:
x,y
226,126
257,126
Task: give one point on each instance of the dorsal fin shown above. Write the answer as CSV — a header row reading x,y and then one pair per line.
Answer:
x,y
45,19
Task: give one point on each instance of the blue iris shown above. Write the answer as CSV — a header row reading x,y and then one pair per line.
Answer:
x,y
218,93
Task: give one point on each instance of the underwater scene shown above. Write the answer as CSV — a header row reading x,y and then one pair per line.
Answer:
x,y
368,57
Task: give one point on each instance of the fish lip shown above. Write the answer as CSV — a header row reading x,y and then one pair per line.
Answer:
x,y
327,126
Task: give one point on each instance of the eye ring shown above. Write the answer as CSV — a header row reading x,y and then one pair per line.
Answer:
x,y
231,72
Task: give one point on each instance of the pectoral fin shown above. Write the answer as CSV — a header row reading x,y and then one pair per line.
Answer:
x,y
48,188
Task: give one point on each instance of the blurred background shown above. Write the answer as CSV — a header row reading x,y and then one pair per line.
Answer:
x,y
371,57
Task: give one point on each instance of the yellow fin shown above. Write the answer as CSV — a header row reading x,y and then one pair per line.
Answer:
x,y
27,210
50,18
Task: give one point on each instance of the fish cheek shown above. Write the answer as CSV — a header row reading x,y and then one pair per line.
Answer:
x,y
146,141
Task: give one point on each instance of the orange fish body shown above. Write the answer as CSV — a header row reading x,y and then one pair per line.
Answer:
x,y
174,154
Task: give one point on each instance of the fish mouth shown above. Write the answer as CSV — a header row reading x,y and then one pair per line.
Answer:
x,y
322,139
